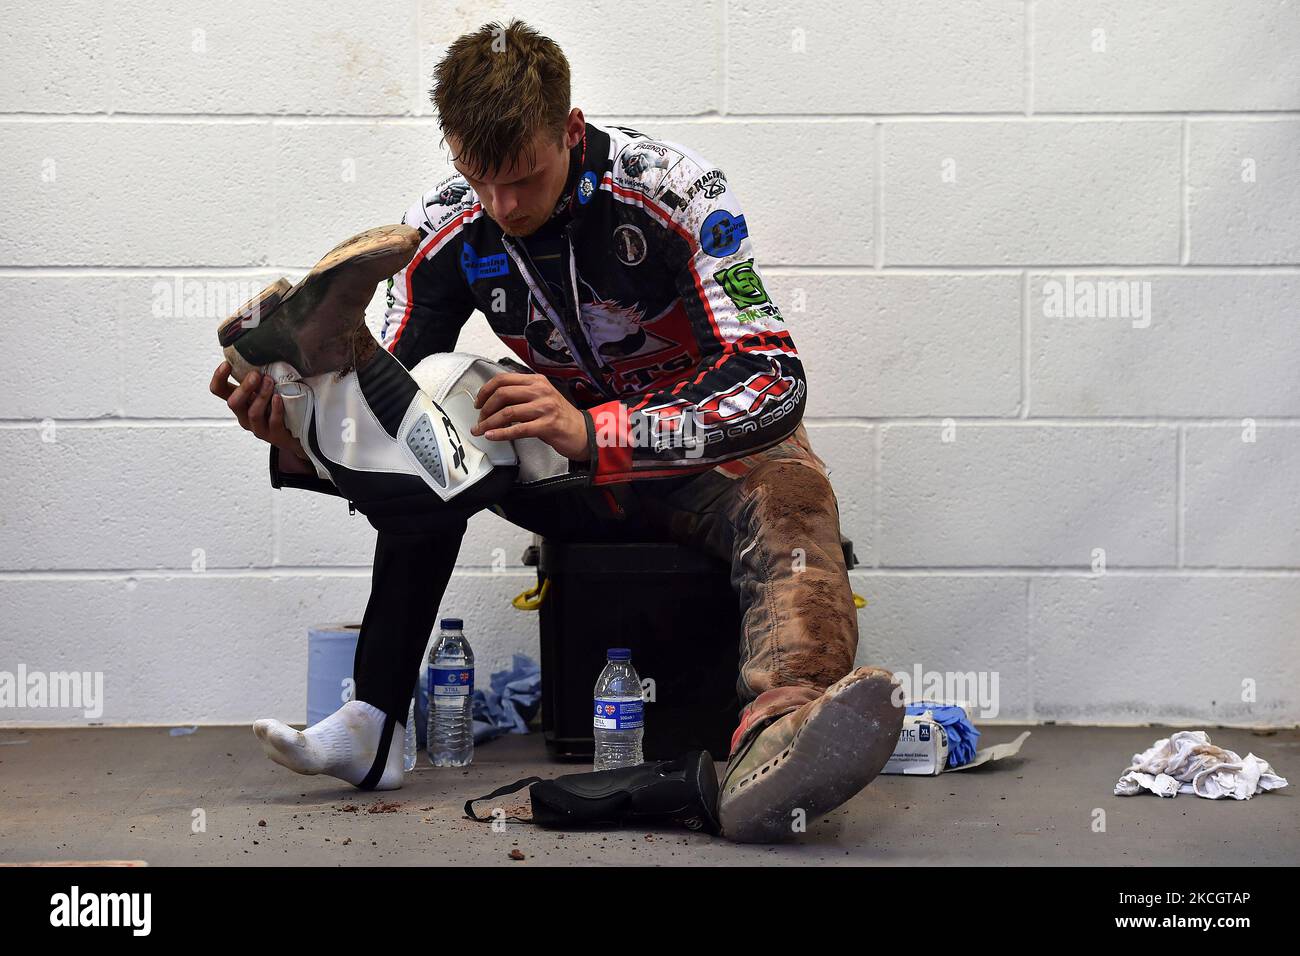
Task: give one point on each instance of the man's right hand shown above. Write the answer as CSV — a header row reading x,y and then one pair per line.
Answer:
x,y
260,411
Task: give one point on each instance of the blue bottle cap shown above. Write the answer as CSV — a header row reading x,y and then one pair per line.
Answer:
x,y
619,654
452,624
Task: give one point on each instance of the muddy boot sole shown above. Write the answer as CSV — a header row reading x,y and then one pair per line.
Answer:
x,y
837,751
317,325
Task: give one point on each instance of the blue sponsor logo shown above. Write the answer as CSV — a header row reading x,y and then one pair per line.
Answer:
x,y
586,188
722,233
482,268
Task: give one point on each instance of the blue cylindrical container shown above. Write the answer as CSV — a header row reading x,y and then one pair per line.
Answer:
x,y
331,649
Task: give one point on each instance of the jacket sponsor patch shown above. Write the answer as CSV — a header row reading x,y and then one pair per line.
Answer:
x,y
713,184
445,202
745,289
485,267
643,157
644,167
722,232
739,401
742,284
629,244
755,313
449,196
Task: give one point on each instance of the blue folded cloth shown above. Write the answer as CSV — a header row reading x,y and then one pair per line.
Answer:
x,y
511,702
961,733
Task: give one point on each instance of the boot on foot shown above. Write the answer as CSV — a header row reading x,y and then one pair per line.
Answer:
x,y
318,325
812,759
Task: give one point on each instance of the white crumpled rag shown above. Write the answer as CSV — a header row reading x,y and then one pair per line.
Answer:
x,y
1188,763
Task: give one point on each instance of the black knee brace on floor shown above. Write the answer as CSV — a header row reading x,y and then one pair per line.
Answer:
x,y
682,792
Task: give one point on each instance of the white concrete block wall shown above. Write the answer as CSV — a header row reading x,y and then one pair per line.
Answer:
x,y
1095,502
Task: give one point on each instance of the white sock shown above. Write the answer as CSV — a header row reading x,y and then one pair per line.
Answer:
x,y
343,745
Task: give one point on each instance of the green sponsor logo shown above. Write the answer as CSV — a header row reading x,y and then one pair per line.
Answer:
x,y
742,284
756,312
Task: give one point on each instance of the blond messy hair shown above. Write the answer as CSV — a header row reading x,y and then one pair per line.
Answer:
x,y
496,89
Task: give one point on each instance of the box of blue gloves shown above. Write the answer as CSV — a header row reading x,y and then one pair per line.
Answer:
x,y
940,736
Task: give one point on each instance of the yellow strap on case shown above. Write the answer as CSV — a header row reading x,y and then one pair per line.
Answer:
x,y
531,599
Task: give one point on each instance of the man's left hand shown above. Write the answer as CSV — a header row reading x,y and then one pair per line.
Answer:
x,y
514,405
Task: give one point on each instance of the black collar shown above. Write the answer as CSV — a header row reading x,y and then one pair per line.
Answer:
x,y
588,162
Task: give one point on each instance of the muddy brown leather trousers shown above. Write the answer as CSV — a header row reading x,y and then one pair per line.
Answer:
x,y
771,516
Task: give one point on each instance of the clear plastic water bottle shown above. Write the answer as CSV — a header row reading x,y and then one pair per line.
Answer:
x,y
408,745
451,681
619,721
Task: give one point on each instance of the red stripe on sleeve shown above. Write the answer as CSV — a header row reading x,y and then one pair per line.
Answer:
x,y
613,442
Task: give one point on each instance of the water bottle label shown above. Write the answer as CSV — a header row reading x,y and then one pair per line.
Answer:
x,y
619,714
450,681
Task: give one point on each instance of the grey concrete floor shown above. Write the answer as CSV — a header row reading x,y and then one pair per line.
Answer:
x,y
133,793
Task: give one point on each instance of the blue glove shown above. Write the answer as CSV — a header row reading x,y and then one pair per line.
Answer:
x,y
961,733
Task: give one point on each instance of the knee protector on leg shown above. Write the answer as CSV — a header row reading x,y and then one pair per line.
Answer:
x,y
453,379
380,432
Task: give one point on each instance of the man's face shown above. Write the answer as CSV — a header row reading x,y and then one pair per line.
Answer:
x,y
522,194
